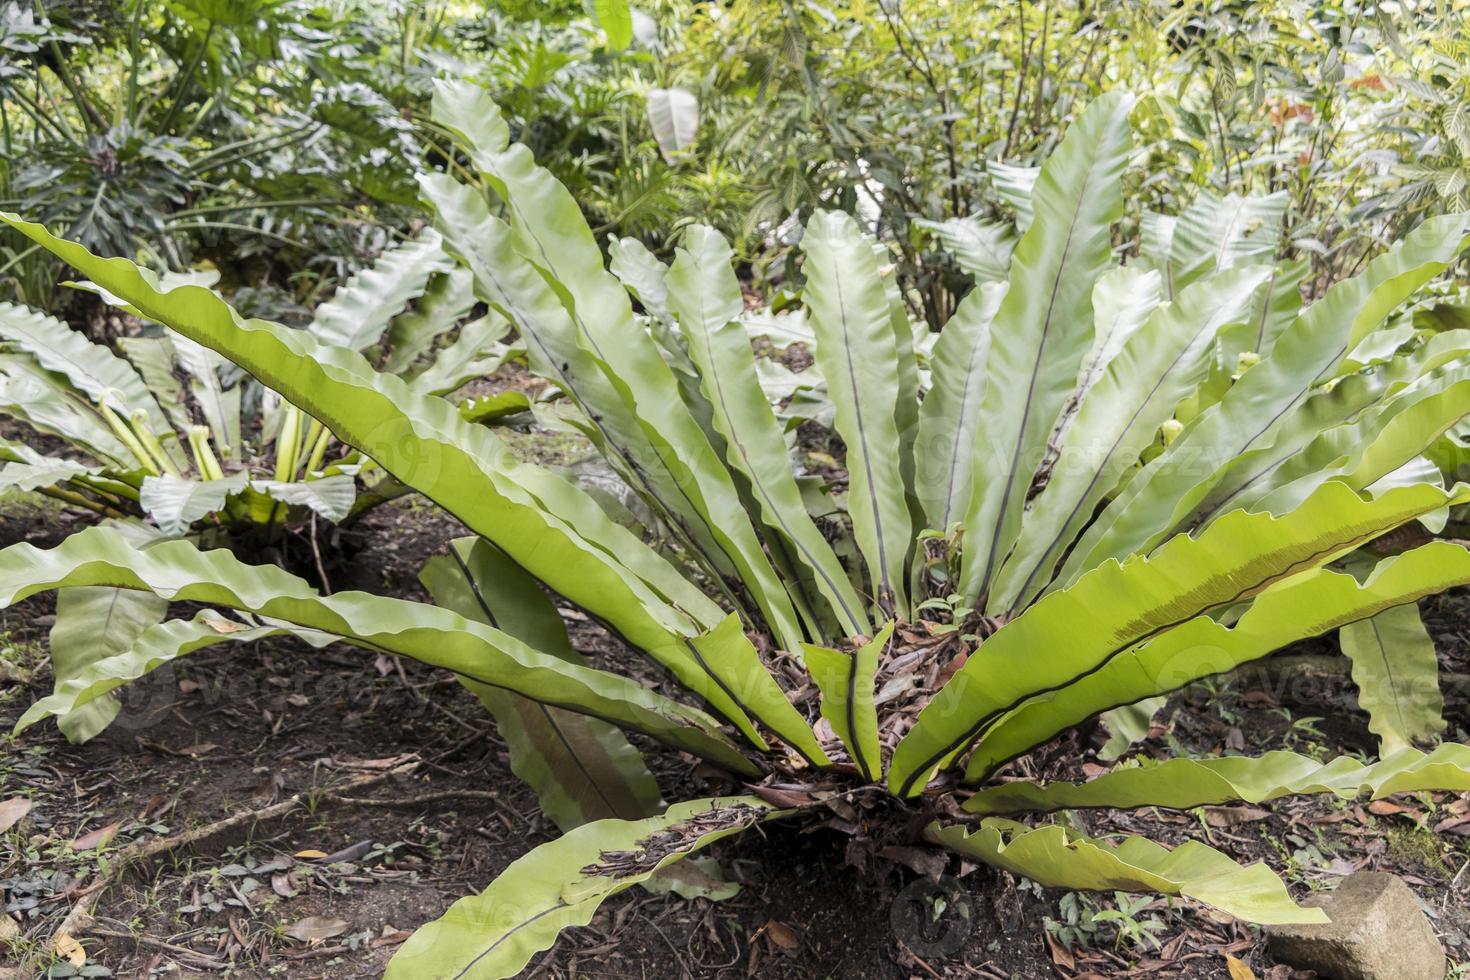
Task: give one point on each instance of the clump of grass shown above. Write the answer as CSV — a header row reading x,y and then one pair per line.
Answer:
x,y
1417,847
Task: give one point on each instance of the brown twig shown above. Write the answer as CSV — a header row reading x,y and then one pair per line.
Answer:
x,y
204,959
425,798
316,556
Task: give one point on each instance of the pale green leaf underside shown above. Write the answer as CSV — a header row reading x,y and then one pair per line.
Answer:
x,y
360,311
1396,671
1059,858
582,769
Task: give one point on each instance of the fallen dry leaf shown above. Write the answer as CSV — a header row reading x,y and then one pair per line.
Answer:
x,y
95,838
315,928
352,853
1060,955
390,935
1238,970
926,861
1387,808
391,762
154,804
1233,816
777,796
284,884
310,854
12,810
69,949
781,934
224,625
187,752
9,929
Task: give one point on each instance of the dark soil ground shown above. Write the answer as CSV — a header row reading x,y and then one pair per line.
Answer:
x,y
432,812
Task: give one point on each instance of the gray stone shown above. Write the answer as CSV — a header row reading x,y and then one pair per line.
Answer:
x,y
1377,932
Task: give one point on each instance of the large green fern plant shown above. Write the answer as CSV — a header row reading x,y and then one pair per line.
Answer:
x,y
1088,548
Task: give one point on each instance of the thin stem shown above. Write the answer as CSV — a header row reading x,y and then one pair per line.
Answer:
x,y
91,118
139,420
127,438
181,90
241,206
72,497
231,226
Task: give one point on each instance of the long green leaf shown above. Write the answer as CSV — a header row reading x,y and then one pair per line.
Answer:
x,y
329,497
1157,500
154,360
1120,416
1375,445
39,472
1123,298
154,647
732,659
478,350
562,883
951,408
1215,233
49,404
1294,610
1396,671
616,19
449,297
981,248
220,405
1182,784
1278,303
175,502
93,624
846,681
177,571
705,295
582,769
503,279
858,355
553,236
556,343
1319,420
361,309
1125,604
1060,858
1015,185
1043,328
92,368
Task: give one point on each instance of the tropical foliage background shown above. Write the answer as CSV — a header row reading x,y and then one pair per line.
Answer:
x,y
795,352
